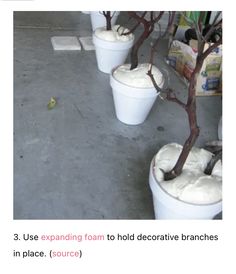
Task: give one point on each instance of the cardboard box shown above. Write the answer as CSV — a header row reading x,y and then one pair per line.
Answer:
x,y
182,58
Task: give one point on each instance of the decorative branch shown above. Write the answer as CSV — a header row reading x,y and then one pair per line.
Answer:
x,y
190,106
108,17
211,164
154,48
211,48
139,19
171,96
136,26
212,29
148,28
149,73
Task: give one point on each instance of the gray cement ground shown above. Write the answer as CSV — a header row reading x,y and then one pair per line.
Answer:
x,y
78,161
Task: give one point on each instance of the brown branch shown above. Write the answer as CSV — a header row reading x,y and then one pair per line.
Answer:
x,y
136,26
138,18
216,18
157,19
200,20
190,106
192,117
171,96
176,171
211,30
154,49
148,28
152,15
214,160
204,39
211,48
170,23
149,73
154,46
108,19
198,29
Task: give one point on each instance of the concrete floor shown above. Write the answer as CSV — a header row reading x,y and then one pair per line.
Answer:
x,y
78,161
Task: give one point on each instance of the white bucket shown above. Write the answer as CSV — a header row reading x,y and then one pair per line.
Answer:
x,y
111,54
132,105
98,20
168,207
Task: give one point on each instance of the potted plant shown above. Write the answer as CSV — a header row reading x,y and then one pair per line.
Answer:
x,y
133,92
186,181
111,46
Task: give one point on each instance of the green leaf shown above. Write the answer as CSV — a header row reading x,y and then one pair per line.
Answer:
x,y
52,103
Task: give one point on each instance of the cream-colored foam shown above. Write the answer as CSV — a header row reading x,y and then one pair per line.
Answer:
x,y
113,35
138,77
192,185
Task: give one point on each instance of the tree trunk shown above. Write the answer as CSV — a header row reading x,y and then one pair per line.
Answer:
x,y
194,133
194,129
148,28
134,51
108,17
108,20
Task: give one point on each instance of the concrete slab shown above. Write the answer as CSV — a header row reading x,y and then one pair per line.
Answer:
x,y
87,43
65,43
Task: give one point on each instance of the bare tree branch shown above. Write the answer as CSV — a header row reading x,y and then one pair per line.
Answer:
x,y
136,26
171,96
157,19
214,26
154,49
139,19
108,17
211,48
154,46
149,73
214,23
190,106
214,160
148,28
